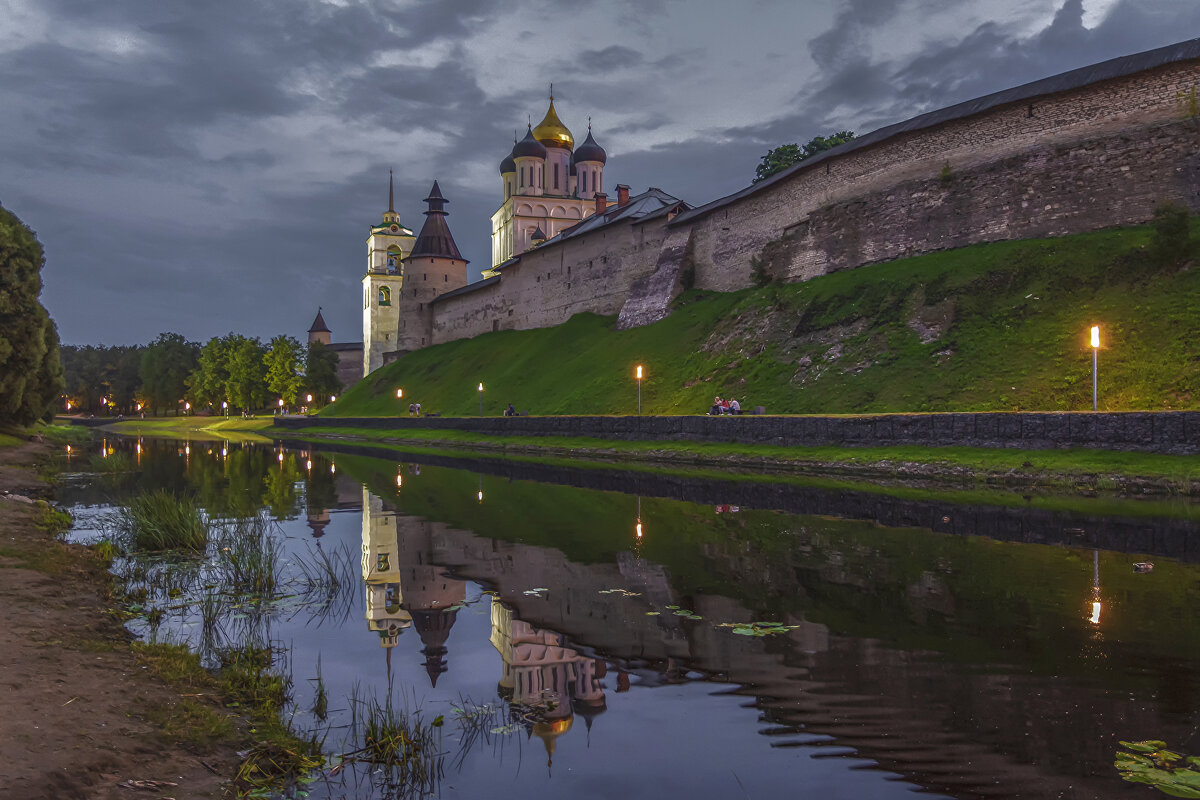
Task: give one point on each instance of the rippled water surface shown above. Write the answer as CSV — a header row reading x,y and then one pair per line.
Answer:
x,y
587,634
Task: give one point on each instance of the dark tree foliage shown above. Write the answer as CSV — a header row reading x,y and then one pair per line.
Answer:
x,y
320,374
166,364
31,376
99,371
784,156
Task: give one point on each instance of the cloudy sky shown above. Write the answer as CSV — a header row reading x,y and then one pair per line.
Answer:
x,y
213,167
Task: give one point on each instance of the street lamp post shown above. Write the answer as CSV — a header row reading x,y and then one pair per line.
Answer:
x,y
638,374
1095,362
399,397
481,399
224,408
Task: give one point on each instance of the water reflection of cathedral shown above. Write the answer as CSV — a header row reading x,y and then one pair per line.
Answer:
x,y
546,682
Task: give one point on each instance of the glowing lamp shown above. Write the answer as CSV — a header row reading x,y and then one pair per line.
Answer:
x,y
1095,336
281,402
224,404
103,401
333,398
281,458
638,372
308,464
308,398
399,393
187,406
479,496
69,405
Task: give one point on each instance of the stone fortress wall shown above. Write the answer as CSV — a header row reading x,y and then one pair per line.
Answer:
x,y
1088,149
1101,155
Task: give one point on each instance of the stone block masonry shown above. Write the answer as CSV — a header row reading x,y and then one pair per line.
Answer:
x,y
1173,432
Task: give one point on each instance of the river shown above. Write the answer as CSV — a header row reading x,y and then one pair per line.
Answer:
x,y
626,633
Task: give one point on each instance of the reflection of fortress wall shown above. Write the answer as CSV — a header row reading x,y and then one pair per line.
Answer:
x,y
1152,535
933,721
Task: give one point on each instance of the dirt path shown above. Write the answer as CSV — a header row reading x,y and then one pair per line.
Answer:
x,y
73,696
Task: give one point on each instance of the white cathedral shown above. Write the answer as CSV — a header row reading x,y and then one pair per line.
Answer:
x,y
549,186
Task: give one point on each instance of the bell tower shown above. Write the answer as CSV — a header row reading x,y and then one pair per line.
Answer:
x,y
387,246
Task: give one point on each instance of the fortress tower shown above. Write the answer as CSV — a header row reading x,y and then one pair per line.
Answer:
x,y
387,246
433,268
549,185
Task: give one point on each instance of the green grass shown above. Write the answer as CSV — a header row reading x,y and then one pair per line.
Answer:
x,y
1179,470
199,428
1013,319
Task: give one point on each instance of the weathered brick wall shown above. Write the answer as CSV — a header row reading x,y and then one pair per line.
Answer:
x,y
1098,156
1151,431
548,286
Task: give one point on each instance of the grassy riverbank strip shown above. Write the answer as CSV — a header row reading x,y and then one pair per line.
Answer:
x,y
1074,468
199,428
178,721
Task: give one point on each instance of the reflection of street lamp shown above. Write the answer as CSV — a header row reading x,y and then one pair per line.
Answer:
x,y
638,375
481,399
479,494
1095,361
1095,617
399,480
637,529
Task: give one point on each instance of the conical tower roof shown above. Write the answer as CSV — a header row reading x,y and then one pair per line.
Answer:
x,y
434,240
318,325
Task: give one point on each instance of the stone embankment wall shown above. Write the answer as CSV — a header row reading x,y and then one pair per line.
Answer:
x,y
1101,155
1176,432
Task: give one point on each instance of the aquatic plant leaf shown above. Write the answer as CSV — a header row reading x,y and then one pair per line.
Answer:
x,y
651,613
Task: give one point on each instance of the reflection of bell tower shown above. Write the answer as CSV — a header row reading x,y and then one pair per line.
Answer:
x,y
429,593
381,573
539,670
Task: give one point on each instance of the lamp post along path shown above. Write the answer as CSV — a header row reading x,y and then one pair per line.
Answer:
x,y
481,399
638,375
1095,364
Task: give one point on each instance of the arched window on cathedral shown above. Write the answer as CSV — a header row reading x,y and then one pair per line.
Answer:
x,y
584,174
385,296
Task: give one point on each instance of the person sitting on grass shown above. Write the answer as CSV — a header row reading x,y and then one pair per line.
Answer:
x,y
734,406
510,411
716,407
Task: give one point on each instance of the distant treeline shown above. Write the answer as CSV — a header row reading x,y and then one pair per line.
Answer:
x,y
233,373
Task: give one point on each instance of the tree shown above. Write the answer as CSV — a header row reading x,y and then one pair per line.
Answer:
x,y
247,387
166,364
321,372
209,381
31,375
283,362
784,156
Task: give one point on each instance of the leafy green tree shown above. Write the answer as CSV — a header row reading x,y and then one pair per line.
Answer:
x,y
31,375
166,364
320,371
283,363
209,381
247,388
786,155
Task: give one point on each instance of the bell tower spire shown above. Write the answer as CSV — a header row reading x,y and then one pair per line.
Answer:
x,y
391,203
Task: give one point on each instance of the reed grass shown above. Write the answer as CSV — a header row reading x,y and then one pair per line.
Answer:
x,y
159,520
249,556
404,747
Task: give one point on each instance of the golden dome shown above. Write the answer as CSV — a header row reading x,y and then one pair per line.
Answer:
x,y
551,132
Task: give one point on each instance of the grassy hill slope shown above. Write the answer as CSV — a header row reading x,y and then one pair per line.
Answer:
x,y
998,326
